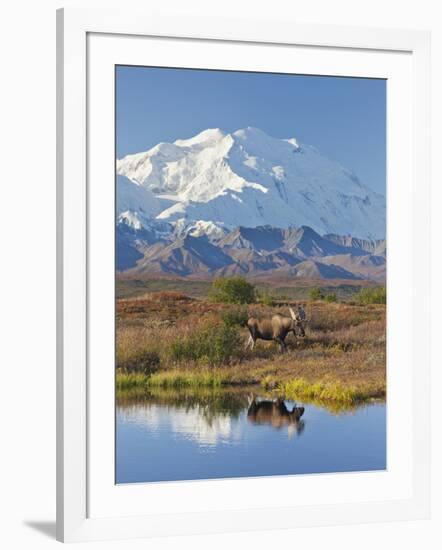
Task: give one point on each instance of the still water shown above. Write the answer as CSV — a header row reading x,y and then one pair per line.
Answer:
x,y
180,435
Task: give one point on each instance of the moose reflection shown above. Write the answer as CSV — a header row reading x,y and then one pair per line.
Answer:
x,y
276,414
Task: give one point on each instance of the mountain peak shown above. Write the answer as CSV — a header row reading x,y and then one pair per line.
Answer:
x,y
257,135
250,131
249,177
206,136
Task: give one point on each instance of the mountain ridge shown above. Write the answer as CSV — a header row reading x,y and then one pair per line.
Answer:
x,y
181,209
297,252
225,178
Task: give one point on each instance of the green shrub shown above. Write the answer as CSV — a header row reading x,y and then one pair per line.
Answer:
x,y
235,316
266,299
142,362
213,344
316,294
376,295
232,290
330,297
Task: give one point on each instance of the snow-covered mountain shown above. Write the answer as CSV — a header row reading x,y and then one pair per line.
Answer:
x,y
136,205
215,182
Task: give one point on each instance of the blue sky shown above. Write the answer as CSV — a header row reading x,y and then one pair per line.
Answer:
x,y
345,118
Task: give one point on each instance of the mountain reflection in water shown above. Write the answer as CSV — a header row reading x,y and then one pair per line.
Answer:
x,y
205,416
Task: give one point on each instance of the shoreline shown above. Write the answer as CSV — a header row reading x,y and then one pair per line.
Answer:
x,y
170,340
323,389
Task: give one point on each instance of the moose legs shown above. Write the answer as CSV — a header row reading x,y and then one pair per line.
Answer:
x,y
282,346
250,342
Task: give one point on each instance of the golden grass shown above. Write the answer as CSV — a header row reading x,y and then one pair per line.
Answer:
x,y
170,379
330,390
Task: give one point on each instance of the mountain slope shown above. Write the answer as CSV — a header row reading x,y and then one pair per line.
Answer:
x,y
377,246
250,177
367,266
136,204
306,243
254,238
297,252
187,256
318,270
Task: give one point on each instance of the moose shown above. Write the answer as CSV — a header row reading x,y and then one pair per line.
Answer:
x,y
276,328
276,414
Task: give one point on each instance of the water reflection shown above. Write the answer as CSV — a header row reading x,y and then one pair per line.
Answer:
x,y
178,434
276,414
205,415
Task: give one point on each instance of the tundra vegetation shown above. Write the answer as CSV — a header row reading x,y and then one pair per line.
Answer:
x,y
167,340
232,290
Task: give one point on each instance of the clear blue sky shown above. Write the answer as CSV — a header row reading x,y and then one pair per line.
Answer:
x,y
345,118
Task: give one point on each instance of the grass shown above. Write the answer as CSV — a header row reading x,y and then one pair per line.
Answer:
x,y
166,339
169,379
131,288
324,390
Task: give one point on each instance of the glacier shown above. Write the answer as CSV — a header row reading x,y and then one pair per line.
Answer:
x,y
216,181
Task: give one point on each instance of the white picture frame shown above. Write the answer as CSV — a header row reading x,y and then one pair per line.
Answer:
x,y
89,507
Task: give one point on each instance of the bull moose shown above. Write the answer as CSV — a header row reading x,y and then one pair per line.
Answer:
x,y
276,328
276,414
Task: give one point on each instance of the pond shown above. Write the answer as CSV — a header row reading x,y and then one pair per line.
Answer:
x,y
186,435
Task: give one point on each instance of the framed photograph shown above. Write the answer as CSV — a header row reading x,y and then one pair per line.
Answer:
x,y
243,275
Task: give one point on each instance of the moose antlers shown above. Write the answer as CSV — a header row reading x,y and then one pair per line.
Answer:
x,y
300,316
